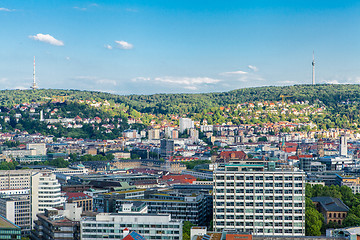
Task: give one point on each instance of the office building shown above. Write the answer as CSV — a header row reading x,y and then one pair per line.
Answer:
x,y
40,148
45,193
118,225
251,198
17,209
15,179
166,147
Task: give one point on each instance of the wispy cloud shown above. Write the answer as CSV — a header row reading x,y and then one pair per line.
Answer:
x,y
190,83
124,45
120,44
287,82
140,79
254,68
6,10
80,8
86,8
233,73
47,39
108,46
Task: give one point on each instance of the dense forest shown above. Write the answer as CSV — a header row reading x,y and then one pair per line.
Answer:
x,y
329,94
340,101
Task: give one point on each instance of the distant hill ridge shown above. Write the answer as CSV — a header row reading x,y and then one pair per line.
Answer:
x,y
329,94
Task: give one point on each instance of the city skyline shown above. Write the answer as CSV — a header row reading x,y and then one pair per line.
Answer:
x,y
177,47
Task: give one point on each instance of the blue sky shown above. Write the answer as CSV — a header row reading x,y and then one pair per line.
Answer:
x,y
145,47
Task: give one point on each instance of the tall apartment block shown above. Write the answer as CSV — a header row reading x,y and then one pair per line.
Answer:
x,y
45,193
185,123
252,198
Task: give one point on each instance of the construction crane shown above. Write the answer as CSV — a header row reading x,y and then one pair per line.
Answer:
x,y
283,97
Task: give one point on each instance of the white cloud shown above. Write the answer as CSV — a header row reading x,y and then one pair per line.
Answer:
x,y
124,45
331,82
233,73
86,8
187,81
108,46
106,81
254,68
140,79
67,58
47,38
5,10
190,83
287,82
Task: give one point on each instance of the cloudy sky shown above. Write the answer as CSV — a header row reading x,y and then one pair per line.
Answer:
x,y
162,46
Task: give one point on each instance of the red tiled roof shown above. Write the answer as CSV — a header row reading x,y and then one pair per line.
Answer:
x,y
232,155
76,195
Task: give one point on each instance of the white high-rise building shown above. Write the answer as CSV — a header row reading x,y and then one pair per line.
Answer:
x,y
250,198
45,192
343,146
185,123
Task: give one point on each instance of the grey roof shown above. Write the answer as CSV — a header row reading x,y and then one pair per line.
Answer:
x,y
331,204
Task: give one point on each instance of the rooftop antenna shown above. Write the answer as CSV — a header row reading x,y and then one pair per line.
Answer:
x,y
313,70
34,86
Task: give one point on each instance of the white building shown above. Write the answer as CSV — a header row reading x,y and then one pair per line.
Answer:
x,y
249,198
45,192
15,179
185,123
40,148
343,146
112,225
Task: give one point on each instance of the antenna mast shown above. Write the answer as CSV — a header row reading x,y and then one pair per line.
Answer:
x,y
313,70
34,86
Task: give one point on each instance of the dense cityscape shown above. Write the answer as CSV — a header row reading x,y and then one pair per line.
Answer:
x,y
180,120
175,177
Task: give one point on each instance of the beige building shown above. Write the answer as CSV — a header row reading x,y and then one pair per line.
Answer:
x,y
15,179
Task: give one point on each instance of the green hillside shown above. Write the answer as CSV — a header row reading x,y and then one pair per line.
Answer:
x,y
330,95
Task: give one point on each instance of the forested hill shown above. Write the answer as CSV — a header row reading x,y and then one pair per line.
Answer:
x,y
330,95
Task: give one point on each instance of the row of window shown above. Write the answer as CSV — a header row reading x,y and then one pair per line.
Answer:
x,y
260,198
251,184
267,191
260,178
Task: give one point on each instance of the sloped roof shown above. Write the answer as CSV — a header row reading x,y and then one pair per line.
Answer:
x,y
134,236
331,204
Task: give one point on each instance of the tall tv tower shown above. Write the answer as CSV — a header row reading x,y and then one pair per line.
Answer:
x,y
313,70
34,86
